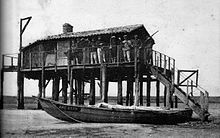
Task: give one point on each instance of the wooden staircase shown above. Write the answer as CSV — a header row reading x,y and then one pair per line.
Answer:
x,y
201,108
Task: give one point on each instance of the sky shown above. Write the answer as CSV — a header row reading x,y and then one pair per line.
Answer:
x,y
189,31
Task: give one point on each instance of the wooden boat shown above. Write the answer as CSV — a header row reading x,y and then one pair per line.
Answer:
x,y
105,113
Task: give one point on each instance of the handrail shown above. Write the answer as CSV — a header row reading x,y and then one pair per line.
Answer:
x,y
8,60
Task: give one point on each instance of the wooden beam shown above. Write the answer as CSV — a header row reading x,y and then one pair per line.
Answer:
x,y
20,85
168,97
71,86
165,96
157,93
56,83
2,92
120,97
79,90
92,89
40,93
148,88
64,88
104,83
141,89
82,92
137,78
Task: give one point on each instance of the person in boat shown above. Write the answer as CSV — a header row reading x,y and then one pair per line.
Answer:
x,y
100,44
113,49
93,54
148,44
126,48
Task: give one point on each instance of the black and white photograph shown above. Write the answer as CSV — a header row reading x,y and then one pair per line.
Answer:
x,y
110,68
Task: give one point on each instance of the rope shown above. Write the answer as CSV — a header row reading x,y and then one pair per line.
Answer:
x,y
66,114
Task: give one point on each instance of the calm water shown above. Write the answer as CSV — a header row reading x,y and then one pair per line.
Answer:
x,y
37,123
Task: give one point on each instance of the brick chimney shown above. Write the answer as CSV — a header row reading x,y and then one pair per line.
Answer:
x,y
67,28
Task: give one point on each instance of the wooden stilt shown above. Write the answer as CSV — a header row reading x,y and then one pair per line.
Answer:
x,y
56,83
104,83
79,90
71,86
2,81
43,86
131,89
76,92
168,95
129,83
165,95
20,91
82,93
64,88
92,90
157,93
148,88
176,102
137,78
141,89
40,93
120,97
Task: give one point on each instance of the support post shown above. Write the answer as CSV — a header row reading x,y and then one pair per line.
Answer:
x,y
71,86
64,88
129,94
92,90
165,95
43,77
104,83
2,83
120,97
137,78
79,90
56,83
40,93
20,85
148,88
82,93
141,87
168,105
157,93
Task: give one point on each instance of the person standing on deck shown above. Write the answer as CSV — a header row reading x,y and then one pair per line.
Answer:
x,y
93,54
113,49
137,45
126,49
99,45
148,44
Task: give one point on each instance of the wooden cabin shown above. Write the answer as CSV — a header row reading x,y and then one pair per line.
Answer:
x,y
62,57
103,55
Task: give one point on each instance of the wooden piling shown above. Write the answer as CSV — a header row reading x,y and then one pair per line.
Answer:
x,y
157,93
64,88
43,86
148,88
20,85
120,97
56,84
2,92
92,89
40,93
137,78
141,88
79,90
104,83
2,83
82,93
71,86
168,97
165,95
129,93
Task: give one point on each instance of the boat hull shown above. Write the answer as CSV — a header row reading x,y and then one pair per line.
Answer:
x,y
74,113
